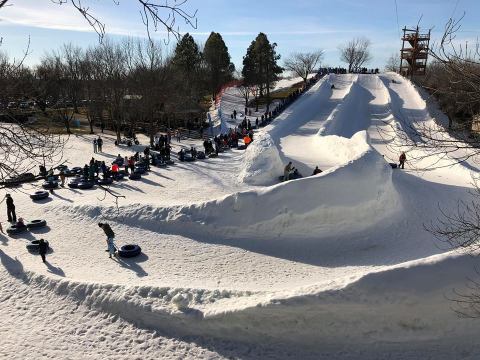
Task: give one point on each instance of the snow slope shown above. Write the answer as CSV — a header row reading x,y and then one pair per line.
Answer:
x,y
235,264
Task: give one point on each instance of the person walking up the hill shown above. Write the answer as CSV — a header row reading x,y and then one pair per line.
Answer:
x,y
11,215
110,238
42,249
95,145
99,144
288,169
402,160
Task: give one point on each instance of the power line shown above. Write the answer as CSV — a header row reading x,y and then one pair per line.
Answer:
x,y
398,23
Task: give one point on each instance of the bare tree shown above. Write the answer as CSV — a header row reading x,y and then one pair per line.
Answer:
x,y
461,229
303,64
246,92
393,63
57,87
355,53
151,79
112,61
23,146
71,58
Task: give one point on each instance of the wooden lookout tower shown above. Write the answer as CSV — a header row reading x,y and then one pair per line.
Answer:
x,y
414,53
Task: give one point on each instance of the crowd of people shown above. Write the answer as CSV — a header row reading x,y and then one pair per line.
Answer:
x,y
162,146
340,70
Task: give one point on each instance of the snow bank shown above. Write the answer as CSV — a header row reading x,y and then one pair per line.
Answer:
x,y
355,195
341,150
403,304
262,164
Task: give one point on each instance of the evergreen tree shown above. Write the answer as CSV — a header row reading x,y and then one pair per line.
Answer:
x,y
250,73
249,70
260,65
187,57
217,59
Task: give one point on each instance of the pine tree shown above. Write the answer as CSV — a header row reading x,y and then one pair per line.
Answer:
x,y
187,57
260,65
249,70
217,59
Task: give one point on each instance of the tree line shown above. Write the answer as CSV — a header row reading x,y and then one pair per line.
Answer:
x,y
134,80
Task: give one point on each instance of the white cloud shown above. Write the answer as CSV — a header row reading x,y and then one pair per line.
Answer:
x,y
43,15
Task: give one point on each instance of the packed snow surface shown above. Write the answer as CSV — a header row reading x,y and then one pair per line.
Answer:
x,y
235,263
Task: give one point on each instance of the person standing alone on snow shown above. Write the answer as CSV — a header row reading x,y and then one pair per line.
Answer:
x,y
62,178
12,217
402,160
94,145
99,144
110,238
42,249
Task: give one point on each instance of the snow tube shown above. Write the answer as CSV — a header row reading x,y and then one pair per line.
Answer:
x,y
14,229
33,245
213,155
200,155
39,195
36,224
106,181
62,167
73,184
128,251
189,159
49,185
85,185
77,170
242,147
139,170
69,173
393,165
135,176
162,165
170,162
118,176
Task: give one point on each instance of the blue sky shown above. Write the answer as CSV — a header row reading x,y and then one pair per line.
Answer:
x,y
295,25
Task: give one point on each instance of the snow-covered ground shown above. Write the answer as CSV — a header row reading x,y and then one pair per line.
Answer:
x,y
237,265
